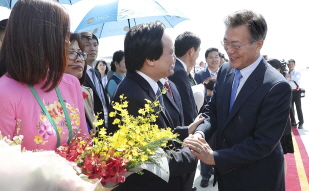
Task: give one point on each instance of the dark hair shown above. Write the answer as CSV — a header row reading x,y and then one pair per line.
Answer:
x,y
275,63
185,41
210,82
76,37
3,24
97,65
39,51
281,65
291,60
117,57
143,42
222,56
211,50
256,23
89,36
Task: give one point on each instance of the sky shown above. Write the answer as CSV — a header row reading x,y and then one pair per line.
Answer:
x,y
288,25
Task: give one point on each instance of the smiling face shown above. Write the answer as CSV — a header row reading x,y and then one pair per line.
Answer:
x,y
92,49
75,67
164,66
213,60
248,51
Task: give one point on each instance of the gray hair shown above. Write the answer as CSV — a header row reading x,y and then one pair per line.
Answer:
x,y
256,23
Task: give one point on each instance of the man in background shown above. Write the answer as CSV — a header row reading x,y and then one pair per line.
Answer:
x,y
93,77
212,58
293,78
187,48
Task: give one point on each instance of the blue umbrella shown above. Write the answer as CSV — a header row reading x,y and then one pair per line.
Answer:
x,y
116,17
10,3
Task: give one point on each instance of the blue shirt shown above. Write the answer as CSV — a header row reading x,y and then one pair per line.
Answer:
x,y
112,85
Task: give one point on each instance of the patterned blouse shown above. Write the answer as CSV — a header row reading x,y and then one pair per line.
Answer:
x,y
20,113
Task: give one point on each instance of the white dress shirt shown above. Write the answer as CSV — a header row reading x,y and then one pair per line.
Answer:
x,y
151,82
295,76
246,72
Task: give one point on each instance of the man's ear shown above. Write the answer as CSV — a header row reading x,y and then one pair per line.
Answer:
x,y
149,62
259,44
191,51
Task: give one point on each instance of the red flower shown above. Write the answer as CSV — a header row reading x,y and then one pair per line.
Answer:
x,y
85,95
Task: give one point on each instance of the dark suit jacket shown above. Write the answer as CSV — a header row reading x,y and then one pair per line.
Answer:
x,y
98,108
174,108
181,80
181,161
248,156
201,75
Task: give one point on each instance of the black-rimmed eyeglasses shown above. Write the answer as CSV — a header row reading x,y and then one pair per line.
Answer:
x,y
74,55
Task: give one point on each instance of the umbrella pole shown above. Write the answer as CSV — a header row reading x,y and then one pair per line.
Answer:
x,y
129,23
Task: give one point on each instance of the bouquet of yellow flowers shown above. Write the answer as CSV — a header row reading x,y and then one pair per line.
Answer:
x,y
136,143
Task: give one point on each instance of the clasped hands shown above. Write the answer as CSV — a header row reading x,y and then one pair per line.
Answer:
x,y
200,148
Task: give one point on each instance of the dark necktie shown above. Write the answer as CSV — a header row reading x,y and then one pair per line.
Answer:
x,y
237,78
192,80
169,90
97,86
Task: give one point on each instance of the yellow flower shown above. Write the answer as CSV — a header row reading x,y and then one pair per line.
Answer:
x,y
77,122
144,158
164,90
72,116
98,123
116,121
112,114
142,111
38,139
43,118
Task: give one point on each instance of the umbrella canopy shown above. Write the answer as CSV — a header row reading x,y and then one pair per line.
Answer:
x,y
10,3
116,17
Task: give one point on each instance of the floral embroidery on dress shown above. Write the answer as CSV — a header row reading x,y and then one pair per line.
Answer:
x,y
45,128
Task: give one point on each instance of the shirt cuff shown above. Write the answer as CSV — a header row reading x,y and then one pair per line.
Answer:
x,y
200,132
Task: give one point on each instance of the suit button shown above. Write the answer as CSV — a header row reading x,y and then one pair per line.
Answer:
x,y
223,141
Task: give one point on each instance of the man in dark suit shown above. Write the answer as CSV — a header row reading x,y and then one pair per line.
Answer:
x,y
172,102
212,58
213,62
187,48
248,110
149,57
93,77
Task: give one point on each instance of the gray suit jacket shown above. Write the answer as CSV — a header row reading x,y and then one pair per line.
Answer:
x,y
247,137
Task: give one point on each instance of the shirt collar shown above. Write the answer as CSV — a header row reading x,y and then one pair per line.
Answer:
x,y
88,67
183,64
162,80
245,72
213,73
151,82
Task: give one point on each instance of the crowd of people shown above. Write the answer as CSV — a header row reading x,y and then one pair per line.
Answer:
x,y
53,86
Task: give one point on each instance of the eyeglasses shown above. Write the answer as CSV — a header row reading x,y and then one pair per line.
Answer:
x,y
74,55
234,46
216,57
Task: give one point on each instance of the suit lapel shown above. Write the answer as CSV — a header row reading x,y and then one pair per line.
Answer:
x,y
90,84
149,91
252,83
228,82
